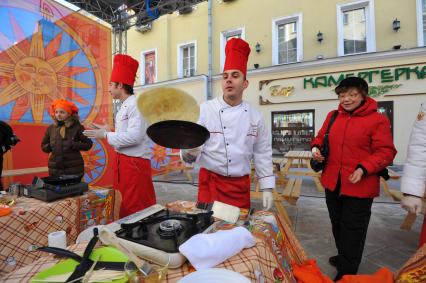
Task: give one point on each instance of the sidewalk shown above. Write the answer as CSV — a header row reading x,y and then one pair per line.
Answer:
x,y
386,245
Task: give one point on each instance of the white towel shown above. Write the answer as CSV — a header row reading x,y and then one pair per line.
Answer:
x,y
208,250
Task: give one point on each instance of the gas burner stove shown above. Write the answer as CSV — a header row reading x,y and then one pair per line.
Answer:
x,y
165,230
156,233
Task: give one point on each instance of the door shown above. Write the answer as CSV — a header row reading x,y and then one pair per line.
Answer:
x,y
386,108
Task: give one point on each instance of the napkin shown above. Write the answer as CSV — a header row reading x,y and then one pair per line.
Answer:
x,y
208,250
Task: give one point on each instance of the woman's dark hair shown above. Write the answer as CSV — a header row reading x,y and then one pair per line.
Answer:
x,y
351,82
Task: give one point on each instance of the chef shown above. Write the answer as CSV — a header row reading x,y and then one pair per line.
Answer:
x,y
414,177
132,167
237,136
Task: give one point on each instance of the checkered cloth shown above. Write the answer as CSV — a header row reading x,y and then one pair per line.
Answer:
x,y
27,227
414,270
276,246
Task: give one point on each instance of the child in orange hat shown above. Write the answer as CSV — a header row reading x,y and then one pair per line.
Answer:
x,y
64,139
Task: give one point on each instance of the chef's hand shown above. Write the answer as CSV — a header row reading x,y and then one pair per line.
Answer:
x,y
412,204
316,154
190,155
268,200
356,176
95,134
94,126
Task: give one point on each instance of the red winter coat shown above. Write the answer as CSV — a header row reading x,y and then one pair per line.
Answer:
x,y
359,138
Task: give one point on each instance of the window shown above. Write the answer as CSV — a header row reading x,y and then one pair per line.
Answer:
x,y
287,43
287,40
355,23
292,130
354,32
187,60
149,67
224,37
345,19
421,22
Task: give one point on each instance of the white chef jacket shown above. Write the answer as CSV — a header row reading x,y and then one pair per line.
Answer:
x,y
130,136
414,177
237,135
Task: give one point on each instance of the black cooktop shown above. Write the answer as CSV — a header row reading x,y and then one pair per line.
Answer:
x,y
165,230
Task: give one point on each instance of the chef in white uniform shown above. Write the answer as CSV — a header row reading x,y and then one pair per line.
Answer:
x,y
132,167
237,136
413,181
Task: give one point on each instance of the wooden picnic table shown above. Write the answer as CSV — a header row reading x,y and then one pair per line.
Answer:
x,y
300,159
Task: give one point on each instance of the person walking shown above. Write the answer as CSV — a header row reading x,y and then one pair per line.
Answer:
x,y
360,146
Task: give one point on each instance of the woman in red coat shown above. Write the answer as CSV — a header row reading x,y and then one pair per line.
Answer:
x,y
360,144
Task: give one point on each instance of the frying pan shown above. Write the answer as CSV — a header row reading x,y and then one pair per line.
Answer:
x,y
178,134
172,114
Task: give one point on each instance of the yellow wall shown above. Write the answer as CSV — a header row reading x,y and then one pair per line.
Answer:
x,y
256,17
174,29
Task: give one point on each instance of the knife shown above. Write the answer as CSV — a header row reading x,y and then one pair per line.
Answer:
x,y
84,265
110,265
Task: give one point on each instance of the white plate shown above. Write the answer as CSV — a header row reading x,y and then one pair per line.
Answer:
x,y
214,275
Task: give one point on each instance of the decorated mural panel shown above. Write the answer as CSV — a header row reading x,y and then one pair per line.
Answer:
x,y
49,52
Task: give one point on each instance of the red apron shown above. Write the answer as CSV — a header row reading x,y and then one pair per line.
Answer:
x,y
132,177
231,190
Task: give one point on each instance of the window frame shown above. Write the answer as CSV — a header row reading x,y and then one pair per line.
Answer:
x,y
298,19
421,41
368,5
223,36
179,64
142,70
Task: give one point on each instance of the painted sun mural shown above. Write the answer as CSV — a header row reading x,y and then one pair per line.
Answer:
x,y
36,72
49,52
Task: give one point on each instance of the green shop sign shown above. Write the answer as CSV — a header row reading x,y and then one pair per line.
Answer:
x,y
384,75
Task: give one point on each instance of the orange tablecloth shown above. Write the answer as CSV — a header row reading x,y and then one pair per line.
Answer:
x,y
27,227
276,246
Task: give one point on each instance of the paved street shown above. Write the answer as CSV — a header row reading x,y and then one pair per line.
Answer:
x,y
386,245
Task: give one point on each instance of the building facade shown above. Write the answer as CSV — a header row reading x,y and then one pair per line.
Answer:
x,y
300,51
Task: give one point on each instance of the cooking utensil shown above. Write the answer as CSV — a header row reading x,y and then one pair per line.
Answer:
x,y
109,238
178,134
85,265
172,114
99,265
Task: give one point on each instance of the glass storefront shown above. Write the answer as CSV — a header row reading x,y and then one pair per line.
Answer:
x,y
292,130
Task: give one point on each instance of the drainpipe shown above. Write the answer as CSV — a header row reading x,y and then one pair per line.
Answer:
x,y
210,55
206,86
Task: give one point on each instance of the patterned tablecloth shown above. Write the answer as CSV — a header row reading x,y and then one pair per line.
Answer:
x,y
27,227
276,246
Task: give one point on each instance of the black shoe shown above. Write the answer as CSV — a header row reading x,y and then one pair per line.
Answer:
x,y
338,276
333,260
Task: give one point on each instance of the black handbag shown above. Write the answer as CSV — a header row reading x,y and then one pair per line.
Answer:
x,y
316,165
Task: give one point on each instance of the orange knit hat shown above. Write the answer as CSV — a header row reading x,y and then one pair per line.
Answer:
x,y
68,106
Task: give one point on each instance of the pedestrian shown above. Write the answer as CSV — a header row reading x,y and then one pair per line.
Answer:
x,y
360,146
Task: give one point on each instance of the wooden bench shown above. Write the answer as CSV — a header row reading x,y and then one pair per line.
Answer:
x,y
24,171
292,190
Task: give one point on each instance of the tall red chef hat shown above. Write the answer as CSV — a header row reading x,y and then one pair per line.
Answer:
x,y
237,52
124,69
